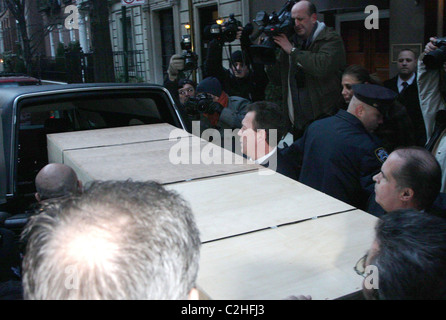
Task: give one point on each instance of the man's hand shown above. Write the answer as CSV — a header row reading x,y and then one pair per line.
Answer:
x,y
247,31
282,41
430,46
175,66
239,33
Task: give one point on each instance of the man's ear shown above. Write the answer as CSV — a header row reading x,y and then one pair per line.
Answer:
x,y
314,17
359,111
406,194
37,196
261,135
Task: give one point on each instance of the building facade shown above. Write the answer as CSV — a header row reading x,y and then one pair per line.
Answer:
x,y
147,33
157,26
155,29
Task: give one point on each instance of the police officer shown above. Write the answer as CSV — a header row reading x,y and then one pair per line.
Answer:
x,y
340,154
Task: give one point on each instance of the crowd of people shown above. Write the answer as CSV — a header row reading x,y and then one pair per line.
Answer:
x,y
344,120
377,145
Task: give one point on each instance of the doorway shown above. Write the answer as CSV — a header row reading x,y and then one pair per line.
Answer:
x,y
167,37
207,16
368,48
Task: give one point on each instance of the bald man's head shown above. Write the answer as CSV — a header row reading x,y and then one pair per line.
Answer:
x,y
56,180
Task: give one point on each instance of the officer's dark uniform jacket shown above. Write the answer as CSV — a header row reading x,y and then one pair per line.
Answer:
x,y
339,157
282,165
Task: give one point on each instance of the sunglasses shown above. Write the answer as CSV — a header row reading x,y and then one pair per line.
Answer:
x,y
360,266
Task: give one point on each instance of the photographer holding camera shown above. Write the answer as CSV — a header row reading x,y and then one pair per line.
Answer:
x,y
179,64
217,110
243,78
309,68
180,87
432,93
174,75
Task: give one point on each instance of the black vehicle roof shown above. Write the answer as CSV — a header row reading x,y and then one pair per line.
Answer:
x,y
8,95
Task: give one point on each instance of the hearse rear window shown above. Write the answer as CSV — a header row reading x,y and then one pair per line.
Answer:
x,y
77,112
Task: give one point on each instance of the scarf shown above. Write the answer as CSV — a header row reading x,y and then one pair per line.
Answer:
x,y
223,100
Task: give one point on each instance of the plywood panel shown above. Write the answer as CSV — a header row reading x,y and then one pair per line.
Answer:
x,y
60,142
156,160
314,257
230,205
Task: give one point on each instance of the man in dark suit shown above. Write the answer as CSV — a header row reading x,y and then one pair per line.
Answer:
x,y
262,128
340,154
405,84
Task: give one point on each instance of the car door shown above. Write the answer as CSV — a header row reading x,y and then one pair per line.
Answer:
x,y
2,166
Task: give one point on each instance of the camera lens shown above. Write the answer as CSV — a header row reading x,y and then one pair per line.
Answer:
x,y
435,59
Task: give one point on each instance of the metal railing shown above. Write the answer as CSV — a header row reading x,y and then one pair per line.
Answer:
x,y
129,66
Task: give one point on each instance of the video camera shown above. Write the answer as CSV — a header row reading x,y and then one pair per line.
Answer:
x,y
226,32
199,104
272,25
190,57
436,59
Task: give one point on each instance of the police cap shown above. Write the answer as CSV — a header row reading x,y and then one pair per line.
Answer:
x,y
375,96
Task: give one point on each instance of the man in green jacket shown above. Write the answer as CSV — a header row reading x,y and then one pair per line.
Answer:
x,y
308,69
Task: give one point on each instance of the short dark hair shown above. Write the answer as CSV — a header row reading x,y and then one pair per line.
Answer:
x,y
143,238
361,74
268,116
408,49
183,82
411,256
421,172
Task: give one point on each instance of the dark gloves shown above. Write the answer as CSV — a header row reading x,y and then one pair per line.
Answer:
x,y
211,108
245,39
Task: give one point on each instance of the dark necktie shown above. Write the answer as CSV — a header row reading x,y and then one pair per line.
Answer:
x,y
405,85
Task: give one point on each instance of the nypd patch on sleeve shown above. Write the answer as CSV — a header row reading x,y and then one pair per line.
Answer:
x,y
381,154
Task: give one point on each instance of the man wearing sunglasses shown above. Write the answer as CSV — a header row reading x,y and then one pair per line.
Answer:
x,y
407,260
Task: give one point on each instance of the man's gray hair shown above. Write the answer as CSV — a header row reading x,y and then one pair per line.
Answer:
x,y
118,240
